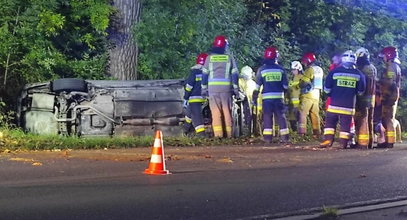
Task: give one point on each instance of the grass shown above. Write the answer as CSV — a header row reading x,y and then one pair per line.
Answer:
x,y
329,213
16,139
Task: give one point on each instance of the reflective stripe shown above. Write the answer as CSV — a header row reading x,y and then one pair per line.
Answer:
x,y
344,135
219,82
363,137
217,128
219,58
156,158
195,99
346,76
341,110
198,77
390,74
390,134
227,73
199,128
210,70
267,131
188,120
228,128
188,87
295,101
329,131
284,131
273,95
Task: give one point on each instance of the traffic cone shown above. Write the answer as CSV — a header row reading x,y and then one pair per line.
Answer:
x,y
157,162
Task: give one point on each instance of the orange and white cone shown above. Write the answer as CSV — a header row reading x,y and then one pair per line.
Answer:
x,y
157,161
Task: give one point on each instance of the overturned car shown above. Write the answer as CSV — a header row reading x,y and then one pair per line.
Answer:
x,y
89,108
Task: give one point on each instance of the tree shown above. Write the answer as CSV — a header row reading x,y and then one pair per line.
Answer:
x,y
123,55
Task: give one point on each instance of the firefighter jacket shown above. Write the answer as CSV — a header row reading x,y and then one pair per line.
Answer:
x,y
193,85
248,87
344,85
367,100
390,84
220,73
311,82
294,90
274,81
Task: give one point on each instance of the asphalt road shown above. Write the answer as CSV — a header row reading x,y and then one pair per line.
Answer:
x,y
206,182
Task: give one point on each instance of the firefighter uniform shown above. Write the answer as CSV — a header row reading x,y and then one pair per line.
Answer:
x,y
311,86
220,83
294,92
343,84
390,91
194,98
274,81
366,102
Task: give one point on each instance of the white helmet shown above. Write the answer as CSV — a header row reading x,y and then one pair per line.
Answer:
x,y
362,52
348,57
296,65
247,72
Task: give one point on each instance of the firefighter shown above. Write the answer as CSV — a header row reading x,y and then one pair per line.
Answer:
x,y
294,94
219,83
311,86
246,83
390,91
193,99
274,81
343,84
365,103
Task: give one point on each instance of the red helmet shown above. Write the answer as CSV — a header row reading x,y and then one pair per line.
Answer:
x,y
271,53
200,59
389,52
308,58
220,41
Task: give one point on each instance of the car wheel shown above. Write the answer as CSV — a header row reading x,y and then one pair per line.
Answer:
x,y
69,85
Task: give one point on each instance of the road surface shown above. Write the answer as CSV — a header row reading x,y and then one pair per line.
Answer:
x,y
224,182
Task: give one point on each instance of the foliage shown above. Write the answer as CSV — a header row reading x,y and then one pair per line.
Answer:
x,y
168,47
42,40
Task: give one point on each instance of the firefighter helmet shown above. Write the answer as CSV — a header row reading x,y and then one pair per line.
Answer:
x,y
308,58
220,41
389,52
247,72
200,59
296,65
348,57
271,53
362,52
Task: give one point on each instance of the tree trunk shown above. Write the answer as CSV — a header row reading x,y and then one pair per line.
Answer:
x,y
123,52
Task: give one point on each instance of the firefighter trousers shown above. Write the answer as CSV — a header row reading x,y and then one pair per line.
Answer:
x,y
278,108
194,117
311,107
364,126
293,117
388,114
331,120
221,110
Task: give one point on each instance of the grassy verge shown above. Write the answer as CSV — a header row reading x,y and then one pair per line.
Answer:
x,y
15,139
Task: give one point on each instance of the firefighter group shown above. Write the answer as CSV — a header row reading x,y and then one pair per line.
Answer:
x,y
362,101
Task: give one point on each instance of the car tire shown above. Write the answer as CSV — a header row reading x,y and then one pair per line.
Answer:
x,y
69,85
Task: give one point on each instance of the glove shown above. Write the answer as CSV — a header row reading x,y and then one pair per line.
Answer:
x,y
204,93
185,104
